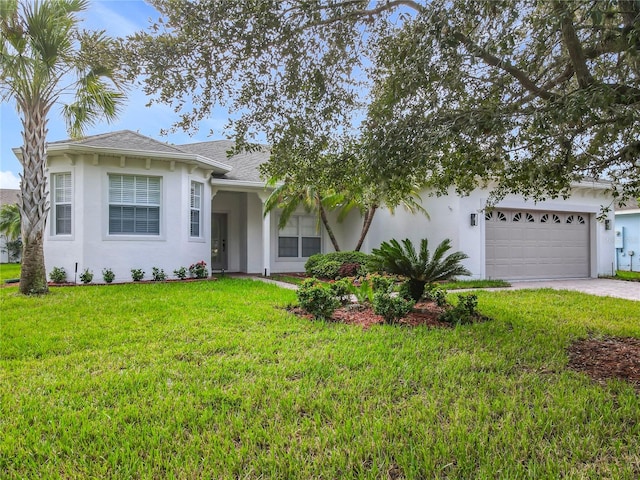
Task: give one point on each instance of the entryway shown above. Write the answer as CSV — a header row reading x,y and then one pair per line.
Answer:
x,y
219,241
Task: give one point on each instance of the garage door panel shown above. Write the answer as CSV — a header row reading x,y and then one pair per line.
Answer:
x,y
520,249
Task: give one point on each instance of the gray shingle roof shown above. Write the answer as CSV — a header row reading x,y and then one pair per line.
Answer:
x,y
124,139
245,165
8,196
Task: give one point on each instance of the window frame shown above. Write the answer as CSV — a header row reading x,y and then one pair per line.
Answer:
x,y
199,209
55,204
136,204
300,238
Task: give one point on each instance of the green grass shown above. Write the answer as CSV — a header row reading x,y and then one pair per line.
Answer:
x,y
460,284
209,380
627,275
287,279
9,271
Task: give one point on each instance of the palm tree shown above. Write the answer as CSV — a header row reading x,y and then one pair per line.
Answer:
x,y
10,220
289,197
45,56
419,267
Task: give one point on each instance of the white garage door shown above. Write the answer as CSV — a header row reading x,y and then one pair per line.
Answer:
x,y
522,244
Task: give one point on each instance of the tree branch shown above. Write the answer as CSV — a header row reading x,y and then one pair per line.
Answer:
x,y
573,46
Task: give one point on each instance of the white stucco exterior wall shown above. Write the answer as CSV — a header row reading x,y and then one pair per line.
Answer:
x,y
91,246
450,218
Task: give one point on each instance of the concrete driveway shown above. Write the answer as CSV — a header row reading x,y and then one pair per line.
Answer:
x,y
603,287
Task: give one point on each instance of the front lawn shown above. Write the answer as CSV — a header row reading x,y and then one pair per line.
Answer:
x,y
9,271
209,380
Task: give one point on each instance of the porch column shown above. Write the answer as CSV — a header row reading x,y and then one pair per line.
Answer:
x,y
266,236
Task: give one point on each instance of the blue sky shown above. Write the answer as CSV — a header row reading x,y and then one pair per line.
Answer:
x,y
118,18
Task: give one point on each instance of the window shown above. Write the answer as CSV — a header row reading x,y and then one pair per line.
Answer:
x,y
195,205
299,238
62,204
134,205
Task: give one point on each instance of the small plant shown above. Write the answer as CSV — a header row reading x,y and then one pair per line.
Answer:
x,y
464,312
436,294
137,274
58,275
107,275
199,269
391,308
158,274
363,292
316,299
86,276
180,273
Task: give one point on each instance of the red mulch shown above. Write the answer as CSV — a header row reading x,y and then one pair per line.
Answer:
x,y
607,358
425,313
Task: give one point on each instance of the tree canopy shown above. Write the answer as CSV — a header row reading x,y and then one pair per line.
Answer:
x,y
527,96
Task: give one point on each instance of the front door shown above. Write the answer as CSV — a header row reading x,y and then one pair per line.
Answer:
x,y
219,241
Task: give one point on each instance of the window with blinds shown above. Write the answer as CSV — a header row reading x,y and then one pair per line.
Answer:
x,y
299,238
62,204
134,205
195,206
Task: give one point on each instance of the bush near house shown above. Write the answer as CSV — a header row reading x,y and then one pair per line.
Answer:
x,y
336,264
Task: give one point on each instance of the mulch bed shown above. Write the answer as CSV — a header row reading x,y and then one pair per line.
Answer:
x,y
607,358
424,313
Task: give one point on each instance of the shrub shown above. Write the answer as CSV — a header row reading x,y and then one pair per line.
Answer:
x,y
199,269
316,299
158,274
58,275
137,274
464,312
380,283
326,269
181,273
391,308
349,270
107,275
419,267
343,258
341,289
86,276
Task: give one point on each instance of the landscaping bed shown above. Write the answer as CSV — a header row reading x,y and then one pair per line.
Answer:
x,y
607,358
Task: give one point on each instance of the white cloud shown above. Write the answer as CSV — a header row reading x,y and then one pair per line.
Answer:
x,y
9,180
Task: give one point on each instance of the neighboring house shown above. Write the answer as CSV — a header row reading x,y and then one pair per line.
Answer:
x,y
122,200
627,241
7,197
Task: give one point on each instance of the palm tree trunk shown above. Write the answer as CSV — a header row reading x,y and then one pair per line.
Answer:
x,y
325,222
34,206
368,218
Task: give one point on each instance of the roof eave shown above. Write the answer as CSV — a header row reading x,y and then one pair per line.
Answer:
x,y
188,158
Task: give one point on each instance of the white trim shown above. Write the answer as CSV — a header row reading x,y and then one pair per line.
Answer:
x,y
632,211
188,158
107,236
54,227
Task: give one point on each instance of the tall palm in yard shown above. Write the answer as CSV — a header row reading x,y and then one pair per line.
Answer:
x,y
45,56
